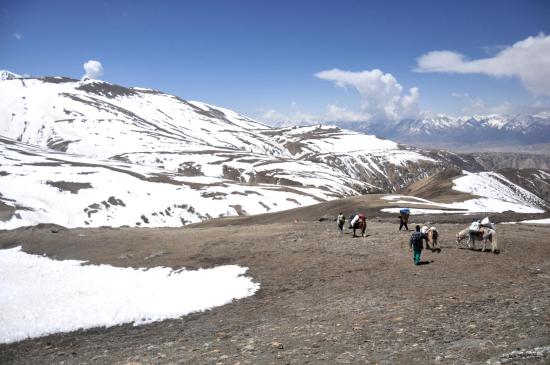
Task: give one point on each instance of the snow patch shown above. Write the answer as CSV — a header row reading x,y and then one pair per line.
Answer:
x,y
41,296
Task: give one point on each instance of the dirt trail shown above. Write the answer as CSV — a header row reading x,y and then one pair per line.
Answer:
x,y
324,298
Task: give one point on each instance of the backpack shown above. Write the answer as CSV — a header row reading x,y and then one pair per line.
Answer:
x,y
475,226
416,239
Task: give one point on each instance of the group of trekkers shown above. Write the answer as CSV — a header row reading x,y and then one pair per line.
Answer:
x,y
418,237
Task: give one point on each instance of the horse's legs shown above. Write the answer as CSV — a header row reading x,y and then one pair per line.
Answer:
x,y
493,242
472,241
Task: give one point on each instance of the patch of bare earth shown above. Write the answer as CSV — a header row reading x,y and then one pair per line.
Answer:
x,y
324,298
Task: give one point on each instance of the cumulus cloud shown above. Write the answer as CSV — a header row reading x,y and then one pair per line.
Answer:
x,y
17,36
528,60
93,69
382,97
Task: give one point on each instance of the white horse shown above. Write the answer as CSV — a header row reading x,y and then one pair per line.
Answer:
x,y
484,234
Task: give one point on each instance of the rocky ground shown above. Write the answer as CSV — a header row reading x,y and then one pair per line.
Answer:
x,y
324,298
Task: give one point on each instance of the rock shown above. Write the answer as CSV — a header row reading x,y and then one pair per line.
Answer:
x,y
277,345
327,217
54,230
249,347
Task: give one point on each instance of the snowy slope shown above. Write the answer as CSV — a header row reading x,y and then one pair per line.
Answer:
x,y
95,118
495,194
74,191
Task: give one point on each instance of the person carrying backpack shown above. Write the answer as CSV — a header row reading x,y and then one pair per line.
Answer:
x,y
415,244
404,218
341,220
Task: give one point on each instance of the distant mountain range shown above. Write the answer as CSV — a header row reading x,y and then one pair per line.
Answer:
x,y
442,131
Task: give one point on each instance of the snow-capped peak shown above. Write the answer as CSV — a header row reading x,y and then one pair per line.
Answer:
x,y
8,75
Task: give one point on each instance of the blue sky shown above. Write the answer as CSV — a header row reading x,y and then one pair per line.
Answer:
x,y
266,59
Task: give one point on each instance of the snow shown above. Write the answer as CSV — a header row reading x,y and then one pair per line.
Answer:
x,y
29,172
41,296
532,221
496,194
8,75
425,211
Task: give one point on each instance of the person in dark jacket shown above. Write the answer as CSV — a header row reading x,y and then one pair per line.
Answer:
x,y
415,244
404,218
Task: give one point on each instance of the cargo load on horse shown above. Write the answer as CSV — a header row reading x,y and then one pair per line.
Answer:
x,y
485,222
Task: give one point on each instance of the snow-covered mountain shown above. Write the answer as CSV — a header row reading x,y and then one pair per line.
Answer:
x,y
8,75
91,153
489,130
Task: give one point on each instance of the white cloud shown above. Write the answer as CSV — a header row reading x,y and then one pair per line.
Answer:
x,y
382,96
17,36
93,69
528,60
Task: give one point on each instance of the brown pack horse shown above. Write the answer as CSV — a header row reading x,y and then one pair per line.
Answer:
x,y
431,239
361,224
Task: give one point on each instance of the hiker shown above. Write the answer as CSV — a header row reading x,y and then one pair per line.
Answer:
x,y
415,244
473,230
341,220
404,218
